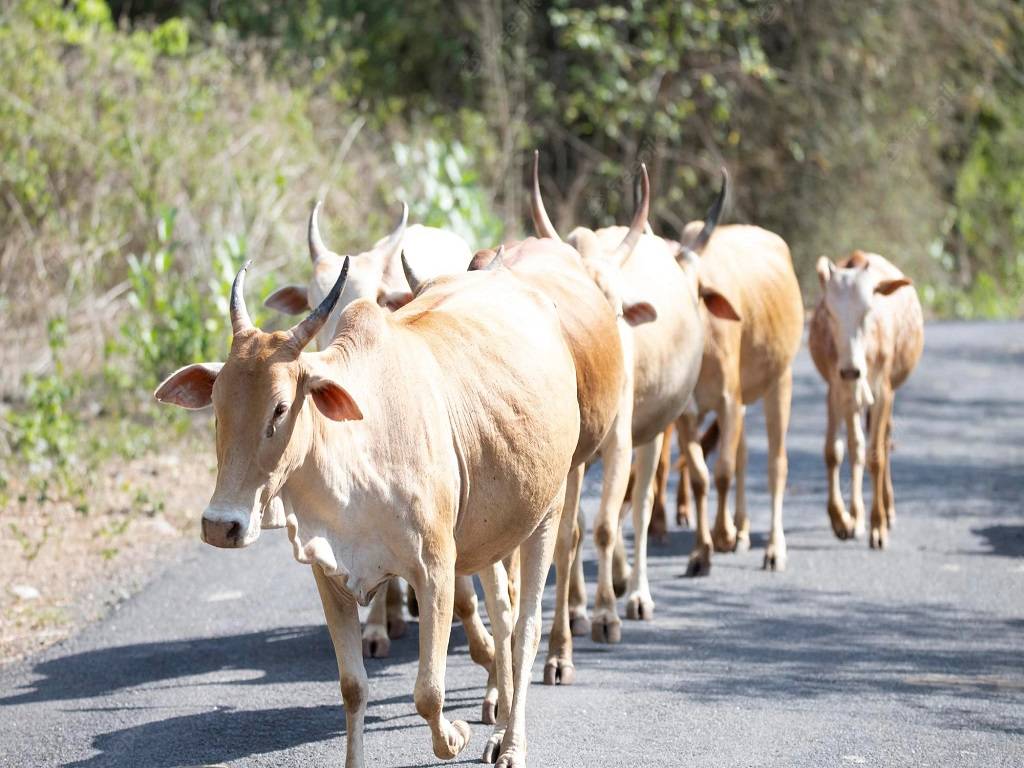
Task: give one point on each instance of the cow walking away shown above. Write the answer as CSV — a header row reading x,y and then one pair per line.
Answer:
x,y
424,443
866,337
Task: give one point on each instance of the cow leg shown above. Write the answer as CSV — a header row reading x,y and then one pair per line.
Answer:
x,y
730,420
535,554
881,412
396,609
776,414
606,627
620,563
342,617
579,621
658,530
842,523
683,516
890,496
499,610
639,603
435,587
376,644
700,558
481,647
411,601
855,439
559,667
742,518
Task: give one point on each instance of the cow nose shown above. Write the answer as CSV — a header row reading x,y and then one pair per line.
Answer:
x,y
226,534
849,374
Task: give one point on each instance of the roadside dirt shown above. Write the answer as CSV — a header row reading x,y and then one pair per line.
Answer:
x,y
61,568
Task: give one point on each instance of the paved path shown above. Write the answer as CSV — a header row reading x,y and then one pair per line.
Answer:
x,y
912,657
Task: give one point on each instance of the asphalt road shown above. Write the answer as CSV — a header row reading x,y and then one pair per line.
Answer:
x,y
910,657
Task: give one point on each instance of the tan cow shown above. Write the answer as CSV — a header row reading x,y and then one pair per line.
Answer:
x,y
865,339
743,362
597,323
665,363
377,275
422,444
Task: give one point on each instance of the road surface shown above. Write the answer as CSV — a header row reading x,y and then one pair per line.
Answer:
x,y
910,657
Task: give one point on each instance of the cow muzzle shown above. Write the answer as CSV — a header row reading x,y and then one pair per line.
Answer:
x,y
849,374
228,530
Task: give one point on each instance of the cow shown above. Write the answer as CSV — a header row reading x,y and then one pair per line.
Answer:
x,y
665,362
424,443
747,357
866,337
597,322
377,275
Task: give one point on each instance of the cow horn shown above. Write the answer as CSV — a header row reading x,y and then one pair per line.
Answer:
x,y
498,261
636,227
410,277
713,215
304,332
541,223
240,320
317,249
394,241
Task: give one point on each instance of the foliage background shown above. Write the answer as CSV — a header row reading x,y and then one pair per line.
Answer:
x,y
149,147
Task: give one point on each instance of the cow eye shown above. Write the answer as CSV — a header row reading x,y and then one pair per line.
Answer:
x,y
280,409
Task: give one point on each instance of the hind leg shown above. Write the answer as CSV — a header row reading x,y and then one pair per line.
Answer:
x,y
481,646
658,529
559,668
700,558
730,419
639,603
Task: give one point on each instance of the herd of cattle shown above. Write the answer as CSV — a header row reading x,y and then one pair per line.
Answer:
x,y
443,428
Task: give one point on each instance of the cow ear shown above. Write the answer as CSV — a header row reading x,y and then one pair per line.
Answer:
x,y
189,387
639,312
334,401
394,300
885,287
291,300
824,268
718,305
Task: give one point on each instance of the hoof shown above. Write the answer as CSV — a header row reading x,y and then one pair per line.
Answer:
x,y
639,608
559,673
879,538
376,644
492,749
413,604
606,630
456,741
842,525
579,625
774,561
396,628
700,563
683,517
511,760
724,541
489,712
743,541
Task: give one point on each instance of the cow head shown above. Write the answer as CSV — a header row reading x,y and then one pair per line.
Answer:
x,y
848,295
635,310
365,279
258,395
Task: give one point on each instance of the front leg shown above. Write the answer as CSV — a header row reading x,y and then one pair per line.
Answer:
x,y
639,603
343,623
559,669
536,554
881,412
855,438
842,524
435,590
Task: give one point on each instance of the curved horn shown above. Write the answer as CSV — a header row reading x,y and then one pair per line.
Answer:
x,y
714,214
240,320
410,277
497,262
541,223
317,249
636,227
304,332
394,240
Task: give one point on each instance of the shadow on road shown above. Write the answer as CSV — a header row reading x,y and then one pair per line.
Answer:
x,y
1002,540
